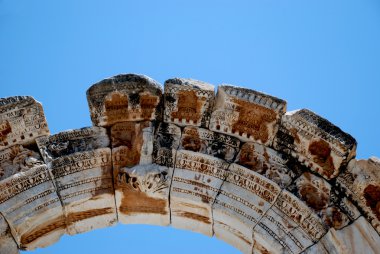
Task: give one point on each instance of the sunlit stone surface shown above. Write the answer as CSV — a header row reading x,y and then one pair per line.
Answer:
x,y
234,165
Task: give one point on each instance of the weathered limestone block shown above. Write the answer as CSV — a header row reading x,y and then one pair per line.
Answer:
x,y
246,114
29,202
244,198
315,142
81,165
289,226
208,142
188,102
72,141
267,162
358,237
85,187
361,182
17,159
21,120
143,168
196,181
127,97
7,243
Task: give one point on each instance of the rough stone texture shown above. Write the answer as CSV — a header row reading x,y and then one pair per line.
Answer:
x,y
361,182
21,120
233,166
7,243
246,114
315,142
29,202
244,198
128,97
196,181
188,102
358,237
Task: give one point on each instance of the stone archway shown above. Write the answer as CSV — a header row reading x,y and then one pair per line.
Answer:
x,y
235,165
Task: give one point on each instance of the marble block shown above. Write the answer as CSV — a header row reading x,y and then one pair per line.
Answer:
x,y
246,114
7,243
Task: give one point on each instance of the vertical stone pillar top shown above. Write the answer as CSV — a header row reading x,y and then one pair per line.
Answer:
x,y
246,114
315,142
126,97
188,102
22,119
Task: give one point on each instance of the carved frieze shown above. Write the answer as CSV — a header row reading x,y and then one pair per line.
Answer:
x,y
245,196
208,142
85,187
361,182
246,114
196,181
22,119
315,142
188,102
29,202
127,97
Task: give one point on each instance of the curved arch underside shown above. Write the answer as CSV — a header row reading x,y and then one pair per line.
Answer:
x,y
235,165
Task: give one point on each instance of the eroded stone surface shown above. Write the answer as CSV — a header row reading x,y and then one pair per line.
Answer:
x,y
17,159
361,182
208,142
7,243
29,202
267,162
188,102
84,185
142,186
128,97
246,114
244,198
22,119
358,237
196,181
315,142
72,141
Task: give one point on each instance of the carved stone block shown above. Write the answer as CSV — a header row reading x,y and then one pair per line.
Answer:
x,y
22,119
358,237
7,243
72,141
208,142
246,114
141,186
188,102
315,142
85,187
17,159
361,182
196,181
29,202
267,162
128,97
244,198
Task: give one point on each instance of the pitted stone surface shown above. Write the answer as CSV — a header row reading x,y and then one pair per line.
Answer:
x,y
234,165
315,142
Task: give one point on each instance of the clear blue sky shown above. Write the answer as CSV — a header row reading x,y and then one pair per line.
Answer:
x,y
320,54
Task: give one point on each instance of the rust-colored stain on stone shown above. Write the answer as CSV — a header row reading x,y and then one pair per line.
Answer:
x,y
253,120
314,197
321,152
135,202
192,142
336,219
248,158
372,197
148,105
116,107
5,129
194,216
42,230
79,216
189,106
294,133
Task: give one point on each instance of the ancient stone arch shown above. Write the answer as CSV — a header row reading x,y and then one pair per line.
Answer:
x,y
235,165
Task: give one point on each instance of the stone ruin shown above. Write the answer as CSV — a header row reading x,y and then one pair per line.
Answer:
x,y
234,165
